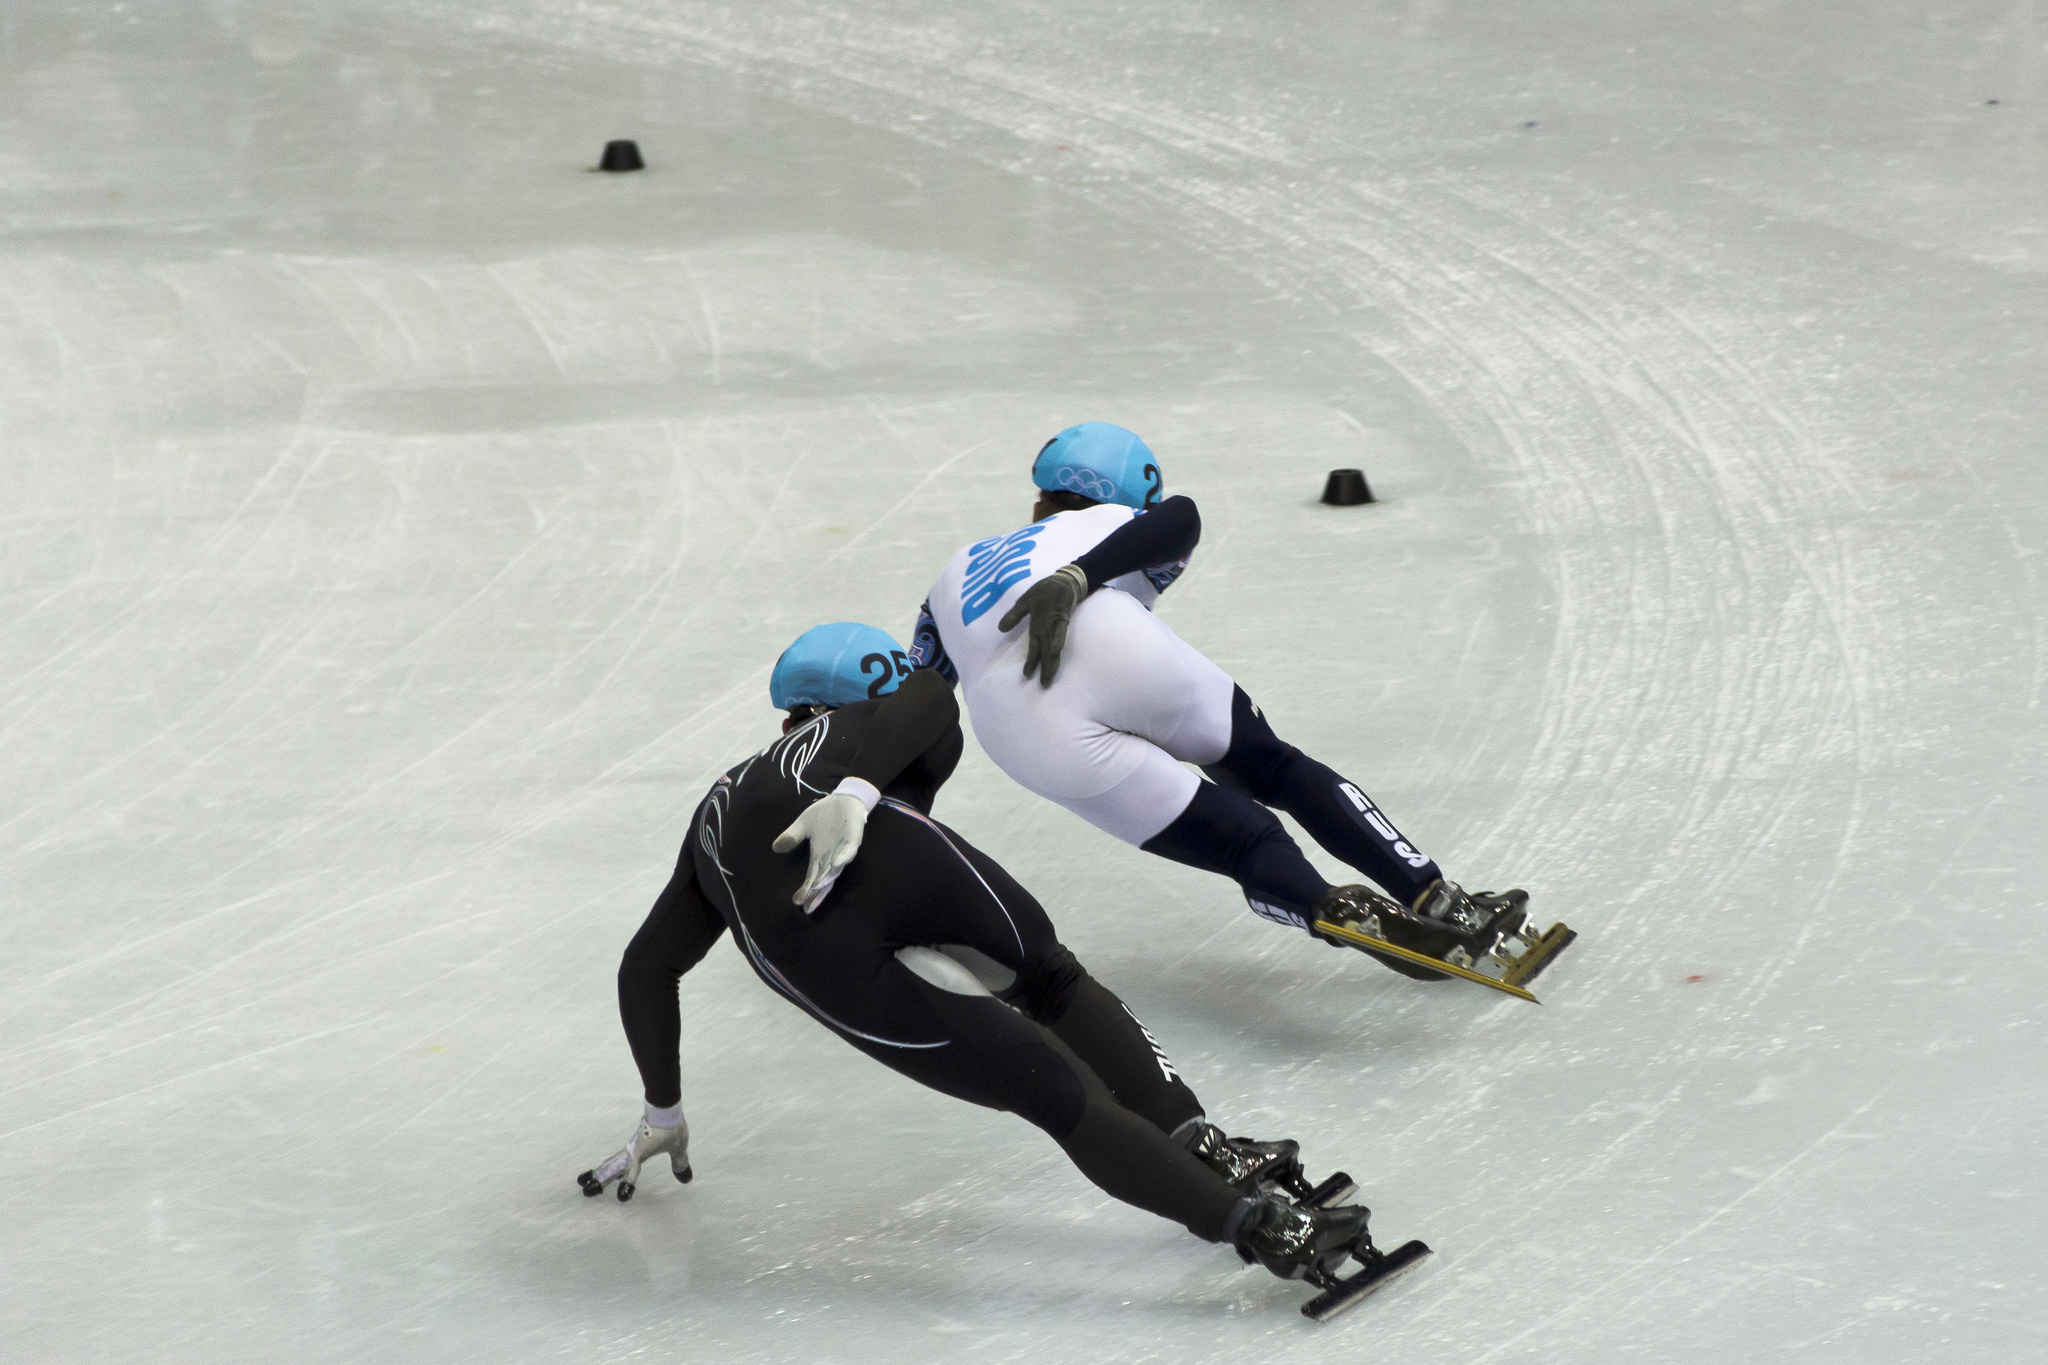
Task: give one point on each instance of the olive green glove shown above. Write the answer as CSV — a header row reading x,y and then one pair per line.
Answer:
x,y
1050,604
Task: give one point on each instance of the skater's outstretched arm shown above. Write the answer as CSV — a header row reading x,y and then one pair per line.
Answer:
x,y
677,933
1160,535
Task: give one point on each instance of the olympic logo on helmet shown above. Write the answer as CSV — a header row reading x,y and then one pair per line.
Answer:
x,y
1100,462
1087,483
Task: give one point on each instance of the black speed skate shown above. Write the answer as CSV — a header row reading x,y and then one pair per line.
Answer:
x,y
1492,931
1259,1168
1362,908
1292,1241
1473,921
1312,1244
1484,937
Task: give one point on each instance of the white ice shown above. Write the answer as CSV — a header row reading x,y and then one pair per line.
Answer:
x,y
400,522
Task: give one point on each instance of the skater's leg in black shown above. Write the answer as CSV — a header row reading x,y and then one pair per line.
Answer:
x,y
965,899
1002,1060
881,965
677,933
1335,812
1227,831
1128,1158
1053,988
1101,1030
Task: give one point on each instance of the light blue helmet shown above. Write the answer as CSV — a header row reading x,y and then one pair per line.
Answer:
x,y
836,664
1102,463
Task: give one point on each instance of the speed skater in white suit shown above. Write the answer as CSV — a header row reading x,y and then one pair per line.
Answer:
x,y
1097,704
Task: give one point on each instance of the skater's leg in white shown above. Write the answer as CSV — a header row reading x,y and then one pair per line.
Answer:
x,y
1146,801
1144,680
1106,741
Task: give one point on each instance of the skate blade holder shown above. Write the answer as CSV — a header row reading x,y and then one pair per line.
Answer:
x,y
1523,967
1380,1269
1449,966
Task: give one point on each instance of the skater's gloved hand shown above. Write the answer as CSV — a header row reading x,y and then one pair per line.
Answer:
x,y
1050,604
659,1130
832,827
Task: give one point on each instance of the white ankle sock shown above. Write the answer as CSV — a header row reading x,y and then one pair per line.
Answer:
x,y
664,1118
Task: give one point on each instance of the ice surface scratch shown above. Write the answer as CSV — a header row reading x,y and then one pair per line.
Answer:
x,y
1628,1279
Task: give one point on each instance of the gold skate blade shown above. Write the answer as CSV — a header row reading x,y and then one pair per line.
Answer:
x,y
1380,945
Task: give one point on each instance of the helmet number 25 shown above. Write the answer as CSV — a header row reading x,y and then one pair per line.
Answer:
x,y
887,668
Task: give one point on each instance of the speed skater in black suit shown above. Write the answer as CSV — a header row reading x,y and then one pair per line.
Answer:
x,y
898,935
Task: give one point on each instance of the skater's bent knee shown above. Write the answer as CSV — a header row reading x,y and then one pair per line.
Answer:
x,y
1044,989
642,968
1257,758
1218,831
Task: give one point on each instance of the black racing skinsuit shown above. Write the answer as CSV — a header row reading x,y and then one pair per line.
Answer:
x,y
1054,1047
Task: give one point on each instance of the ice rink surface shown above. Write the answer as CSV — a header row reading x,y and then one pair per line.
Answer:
x,y
401,522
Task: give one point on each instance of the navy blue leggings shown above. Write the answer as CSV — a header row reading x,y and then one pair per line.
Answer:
x,y
1226,828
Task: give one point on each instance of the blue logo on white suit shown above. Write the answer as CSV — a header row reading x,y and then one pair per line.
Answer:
x,y
993,568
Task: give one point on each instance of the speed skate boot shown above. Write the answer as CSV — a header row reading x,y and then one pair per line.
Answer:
x,y
1362,908
1295,1242
1477,921
624,1165
1255,1167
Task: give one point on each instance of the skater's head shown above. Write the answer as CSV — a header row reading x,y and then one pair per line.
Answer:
x,y
828,666
1094,463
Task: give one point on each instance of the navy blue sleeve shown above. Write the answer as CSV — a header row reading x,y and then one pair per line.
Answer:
x,y
928,651
1162,535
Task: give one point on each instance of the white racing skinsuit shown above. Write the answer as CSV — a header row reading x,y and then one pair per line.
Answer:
x,y
1131,700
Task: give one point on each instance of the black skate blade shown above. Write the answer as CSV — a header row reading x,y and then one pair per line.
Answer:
x,y
1330,1193
1348,1294
592,1186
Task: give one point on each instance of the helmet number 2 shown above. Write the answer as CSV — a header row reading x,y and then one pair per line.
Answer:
x,y
1154,485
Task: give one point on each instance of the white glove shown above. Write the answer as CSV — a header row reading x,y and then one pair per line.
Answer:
x,y
647,1141
832,827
